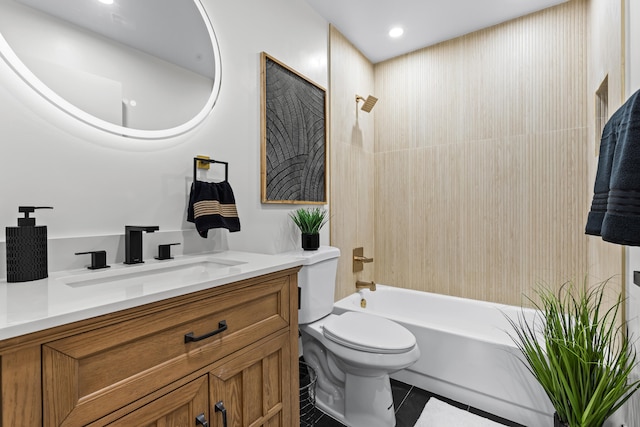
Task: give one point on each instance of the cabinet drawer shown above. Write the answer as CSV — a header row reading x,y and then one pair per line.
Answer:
x,y
89,375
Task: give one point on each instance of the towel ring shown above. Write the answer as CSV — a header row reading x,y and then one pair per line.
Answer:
x,y
200,159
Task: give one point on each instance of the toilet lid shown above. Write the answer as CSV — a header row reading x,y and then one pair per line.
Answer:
x,y
367,332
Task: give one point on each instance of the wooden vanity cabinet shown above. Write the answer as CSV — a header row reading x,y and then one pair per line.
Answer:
x,y
138,367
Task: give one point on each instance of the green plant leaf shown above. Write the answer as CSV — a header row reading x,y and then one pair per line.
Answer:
x,y
309,220
577,352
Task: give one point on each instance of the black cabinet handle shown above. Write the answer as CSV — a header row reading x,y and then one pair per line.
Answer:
x,y
222,326
202,421
220,408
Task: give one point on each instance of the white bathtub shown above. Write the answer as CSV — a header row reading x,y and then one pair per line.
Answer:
x,y
467,354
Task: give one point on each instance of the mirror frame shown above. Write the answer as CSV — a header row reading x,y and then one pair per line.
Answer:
x,y
11,58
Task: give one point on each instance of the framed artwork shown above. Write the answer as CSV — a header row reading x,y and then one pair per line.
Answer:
x,y
294,136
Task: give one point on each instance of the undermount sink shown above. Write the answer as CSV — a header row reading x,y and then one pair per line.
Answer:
x,y
155,274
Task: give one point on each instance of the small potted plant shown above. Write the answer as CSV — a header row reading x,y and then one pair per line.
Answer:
x,y
310,221
578,353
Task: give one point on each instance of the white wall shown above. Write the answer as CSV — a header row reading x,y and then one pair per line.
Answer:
x,y
98,182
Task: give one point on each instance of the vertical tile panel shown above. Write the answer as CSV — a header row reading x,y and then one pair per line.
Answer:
x,y
480,150
352,159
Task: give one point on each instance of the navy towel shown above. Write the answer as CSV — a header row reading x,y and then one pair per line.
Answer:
x,y
615,210
212,205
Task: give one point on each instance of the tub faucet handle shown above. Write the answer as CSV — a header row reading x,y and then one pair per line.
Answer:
x,y
359,259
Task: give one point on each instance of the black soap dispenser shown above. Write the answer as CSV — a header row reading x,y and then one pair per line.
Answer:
x,y
27,248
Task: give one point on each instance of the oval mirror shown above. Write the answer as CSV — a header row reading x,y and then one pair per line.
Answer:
x,y
139,68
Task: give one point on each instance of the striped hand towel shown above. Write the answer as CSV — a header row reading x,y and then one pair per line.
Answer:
x,y
212,205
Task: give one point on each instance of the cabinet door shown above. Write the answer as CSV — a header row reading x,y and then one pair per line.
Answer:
x,y
178,408
254,387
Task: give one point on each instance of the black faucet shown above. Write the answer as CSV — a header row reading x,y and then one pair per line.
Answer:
x,y
133,242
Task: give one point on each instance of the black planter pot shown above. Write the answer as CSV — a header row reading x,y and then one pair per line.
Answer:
x,y
557,422
310,242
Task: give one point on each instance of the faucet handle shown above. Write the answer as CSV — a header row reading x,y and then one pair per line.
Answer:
x,y
98,259
164,251
359,259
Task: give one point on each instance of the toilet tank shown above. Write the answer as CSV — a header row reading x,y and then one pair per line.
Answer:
x,y
316,282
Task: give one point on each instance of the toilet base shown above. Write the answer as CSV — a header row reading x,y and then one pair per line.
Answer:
x,y
369,401
354,400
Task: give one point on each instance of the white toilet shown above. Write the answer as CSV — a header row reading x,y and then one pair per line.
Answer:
x,y
353,353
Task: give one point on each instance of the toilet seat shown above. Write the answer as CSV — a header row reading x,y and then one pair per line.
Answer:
x,y
368,333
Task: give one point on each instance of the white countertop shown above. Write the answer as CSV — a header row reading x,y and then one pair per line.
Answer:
x,y
70,296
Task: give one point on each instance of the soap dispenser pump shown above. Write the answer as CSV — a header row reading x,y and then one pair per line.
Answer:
x,y
27,248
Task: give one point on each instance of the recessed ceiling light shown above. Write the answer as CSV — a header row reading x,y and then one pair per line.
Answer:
x,y
396,32
106,1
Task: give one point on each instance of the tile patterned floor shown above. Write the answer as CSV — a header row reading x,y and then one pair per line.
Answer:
x,y
409,402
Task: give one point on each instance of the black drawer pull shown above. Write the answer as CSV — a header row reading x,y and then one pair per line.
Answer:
x,y
220,408
222,326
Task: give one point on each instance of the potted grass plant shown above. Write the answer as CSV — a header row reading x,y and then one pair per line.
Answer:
x,y
310,221
579,353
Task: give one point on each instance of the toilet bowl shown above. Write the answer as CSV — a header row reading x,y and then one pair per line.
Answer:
x,y
353,353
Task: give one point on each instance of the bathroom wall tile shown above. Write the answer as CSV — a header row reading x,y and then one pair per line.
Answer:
x,y
484,198
352,160
351,74
521,77
606,60
509,214
481,178
343,235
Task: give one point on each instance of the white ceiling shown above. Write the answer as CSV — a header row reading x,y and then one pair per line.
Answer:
x,y
365,23
426,22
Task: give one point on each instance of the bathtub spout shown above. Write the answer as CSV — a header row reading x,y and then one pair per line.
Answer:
x,y
366,285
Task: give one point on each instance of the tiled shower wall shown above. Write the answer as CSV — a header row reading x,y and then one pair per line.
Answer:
x,y
483,167
482,152
352,160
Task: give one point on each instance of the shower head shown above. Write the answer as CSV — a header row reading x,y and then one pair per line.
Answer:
x,y
368,103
